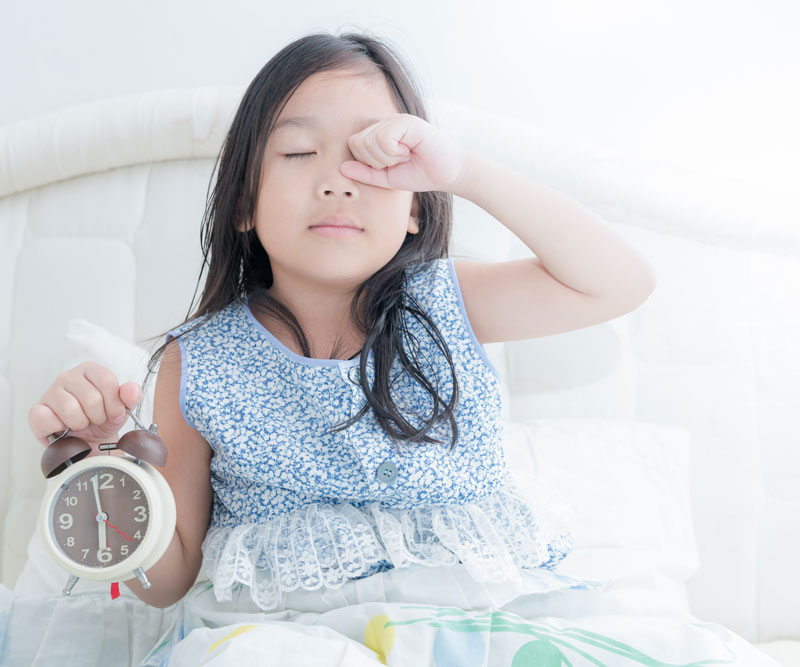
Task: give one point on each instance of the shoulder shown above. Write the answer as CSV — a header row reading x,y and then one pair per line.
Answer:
x,y
428,276
200,325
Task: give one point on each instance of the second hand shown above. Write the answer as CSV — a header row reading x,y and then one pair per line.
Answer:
x,y
117,529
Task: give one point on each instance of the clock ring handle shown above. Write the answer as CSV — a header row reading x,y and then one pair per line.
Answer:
x,y
53,437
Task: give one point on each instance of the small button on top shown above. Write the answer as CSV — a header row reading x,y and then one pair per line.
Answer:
x,y
354,375
387,472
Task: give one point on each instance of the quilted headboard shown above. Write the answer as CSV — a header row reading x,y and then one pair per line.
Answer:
x,y
100,209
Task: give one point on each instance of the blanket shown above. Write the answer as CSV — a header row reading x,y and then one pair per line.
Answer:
x,y
412,616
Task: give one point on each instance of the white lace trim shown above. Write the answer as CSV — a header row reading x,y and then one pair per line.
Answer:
x,y
327,544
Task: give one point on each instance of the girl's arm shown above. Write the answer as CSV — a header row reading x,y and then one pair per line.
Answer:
x,y
188,472
578,247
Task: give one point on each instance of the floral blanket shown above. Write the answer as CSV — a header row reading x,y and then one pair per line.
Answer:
x,y
412,617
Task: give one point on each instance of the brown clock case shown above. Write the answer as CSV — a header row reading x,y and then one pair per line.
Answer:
x,y
141,443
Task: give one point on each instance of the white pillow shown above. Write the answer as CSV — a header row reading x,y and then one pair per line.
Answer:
x,y
85,341
628,486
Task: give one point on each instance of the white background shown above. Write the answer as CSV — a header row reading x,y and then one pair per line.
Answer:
x,y
713,86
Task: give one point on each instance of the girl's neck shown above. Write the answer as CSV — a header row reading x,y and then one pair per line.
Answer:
x,y
321,343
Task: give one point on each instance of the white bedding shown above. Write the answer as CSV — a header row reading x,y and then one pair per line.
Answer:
x,y
411,616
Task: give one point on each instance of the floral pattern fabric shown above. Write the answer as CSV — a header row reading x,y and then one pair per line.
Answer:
x,y
298,506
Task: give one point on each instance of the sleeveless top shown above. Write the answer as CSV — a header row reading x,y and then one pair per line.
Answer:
x,y
296,506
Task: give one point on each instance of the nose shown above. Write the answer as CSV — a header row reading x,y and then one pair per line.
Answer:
x,y
333,182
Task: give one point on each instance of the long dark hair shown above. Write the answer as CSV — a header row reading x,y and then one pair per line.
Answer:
x,y
239,267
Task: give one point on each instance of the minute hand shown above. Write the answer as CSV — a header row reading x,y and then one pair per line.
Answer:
x,y
101,524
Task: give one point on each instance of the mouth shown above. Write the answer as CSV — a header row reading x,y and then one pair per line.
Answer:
x,y
337,222
334,230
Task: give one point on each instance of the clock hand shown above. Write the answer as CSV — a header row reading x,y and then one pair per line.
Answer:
x,y
96,494
119,531
101,532
101,516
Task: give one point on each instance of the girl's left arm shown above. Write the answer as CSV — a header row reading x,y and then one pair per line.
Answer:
x,y
578,247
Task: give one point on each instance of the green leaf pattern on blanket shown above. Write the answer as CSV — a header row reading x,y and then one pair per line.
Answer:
x,y
551,647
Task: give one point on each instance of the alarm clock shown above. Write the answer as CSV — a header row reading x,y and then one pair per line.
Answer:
x,y
107,518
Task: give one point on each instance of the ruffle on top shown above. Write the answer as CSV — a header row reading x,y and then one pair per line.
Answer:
x,y
326,544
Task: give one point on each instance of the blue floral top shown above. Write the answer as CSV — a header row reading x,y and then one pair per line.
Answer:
x,y
296,506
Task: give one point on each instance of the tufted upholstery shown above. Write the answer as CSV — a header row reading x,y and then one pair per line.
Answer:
x,y
100,209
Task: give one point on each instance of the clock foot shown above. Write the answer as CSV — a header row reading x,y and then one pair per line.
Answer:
x,y
70,584
140,575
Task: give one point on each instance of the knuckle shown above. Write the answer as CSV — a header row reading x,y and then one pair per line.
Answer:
x,y
73,416
107,381
93,403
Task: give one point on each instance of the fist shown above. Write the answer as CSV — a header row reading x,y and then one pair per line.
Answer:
x,y
404,152
88,400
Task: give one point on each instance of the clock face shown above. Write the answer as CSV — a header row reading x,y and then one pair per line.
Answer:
x,y
99,517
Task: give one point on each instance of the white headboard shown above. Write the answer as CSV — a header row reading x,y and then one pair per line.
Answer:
x,y
100,210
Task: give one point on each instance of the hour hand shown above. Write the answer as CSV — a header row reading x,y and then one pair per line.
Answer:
x,y
101,517
101,532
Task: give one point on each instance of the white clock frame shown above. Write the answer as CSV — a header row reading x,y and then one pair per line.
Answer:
x,y
161,526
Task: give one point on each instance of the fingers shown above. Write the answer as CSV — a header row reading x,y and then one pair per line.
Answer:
x,y
80,397
130,394
379,149
43,421
97,391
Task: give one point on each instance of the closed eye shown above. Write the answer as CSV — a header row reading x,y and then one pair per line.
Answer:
x,y
295,155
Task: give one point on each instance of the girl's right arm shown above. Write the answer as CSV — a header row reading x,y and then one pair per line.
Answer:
x,y
188,472
85,398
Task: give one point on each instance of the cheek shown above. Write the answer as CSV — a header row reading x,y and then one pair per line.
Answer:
x,y
400,205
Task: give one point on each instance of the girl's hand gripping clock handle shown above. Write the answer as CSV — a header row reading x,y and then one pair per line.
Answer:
x,y
88,400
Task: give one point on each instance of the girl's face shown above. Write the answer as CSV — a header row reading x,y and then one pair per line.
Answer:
x,y
298,192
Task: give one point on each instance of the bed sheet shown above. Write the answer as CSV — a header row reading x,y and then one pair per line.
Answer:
x,y
407,616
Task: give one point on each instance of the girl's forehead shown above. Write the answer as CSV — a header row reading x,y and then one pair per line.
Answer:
x,y
355,107
341,87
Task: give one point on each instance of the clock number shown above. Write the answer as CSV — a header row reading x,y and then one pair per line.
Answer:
x,y
65,521
107,478
83,485
104,555
137,494
123,550
70,541
71,500
85,553
142,516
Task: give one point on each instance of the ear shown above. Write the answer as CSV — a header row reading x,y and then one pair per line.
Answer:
x,y
413,218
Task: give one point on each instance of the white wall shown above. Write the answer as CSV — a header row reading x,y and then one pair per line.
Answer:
x,y
709,85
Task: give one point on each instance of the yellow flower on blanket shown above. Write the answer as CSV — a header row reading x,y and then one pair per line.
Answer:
x,y
378,637
238,631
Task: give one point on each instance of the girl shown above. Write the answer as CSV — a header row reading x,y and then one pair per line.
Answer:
x,y
329,409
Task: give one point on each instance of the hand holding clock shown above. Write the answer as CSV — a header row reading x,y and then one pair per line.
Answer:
x,y
75,418
88,400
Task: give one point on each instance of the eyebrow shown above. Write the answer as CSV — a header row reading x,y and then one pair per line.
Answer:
x,y
314,121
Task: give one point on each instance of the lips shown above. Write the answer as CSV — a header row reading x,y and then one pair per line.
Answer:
x,y
336,221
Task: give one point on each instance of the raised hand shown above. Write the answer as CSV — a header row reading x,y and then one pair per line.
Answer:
x,y
404,152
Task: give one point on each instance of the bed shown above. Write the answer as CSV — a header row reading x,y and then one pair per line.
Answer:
x,y
666,431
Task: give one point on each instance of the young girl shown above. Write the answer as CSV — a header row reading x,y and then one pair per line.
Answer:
x,y
329,409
